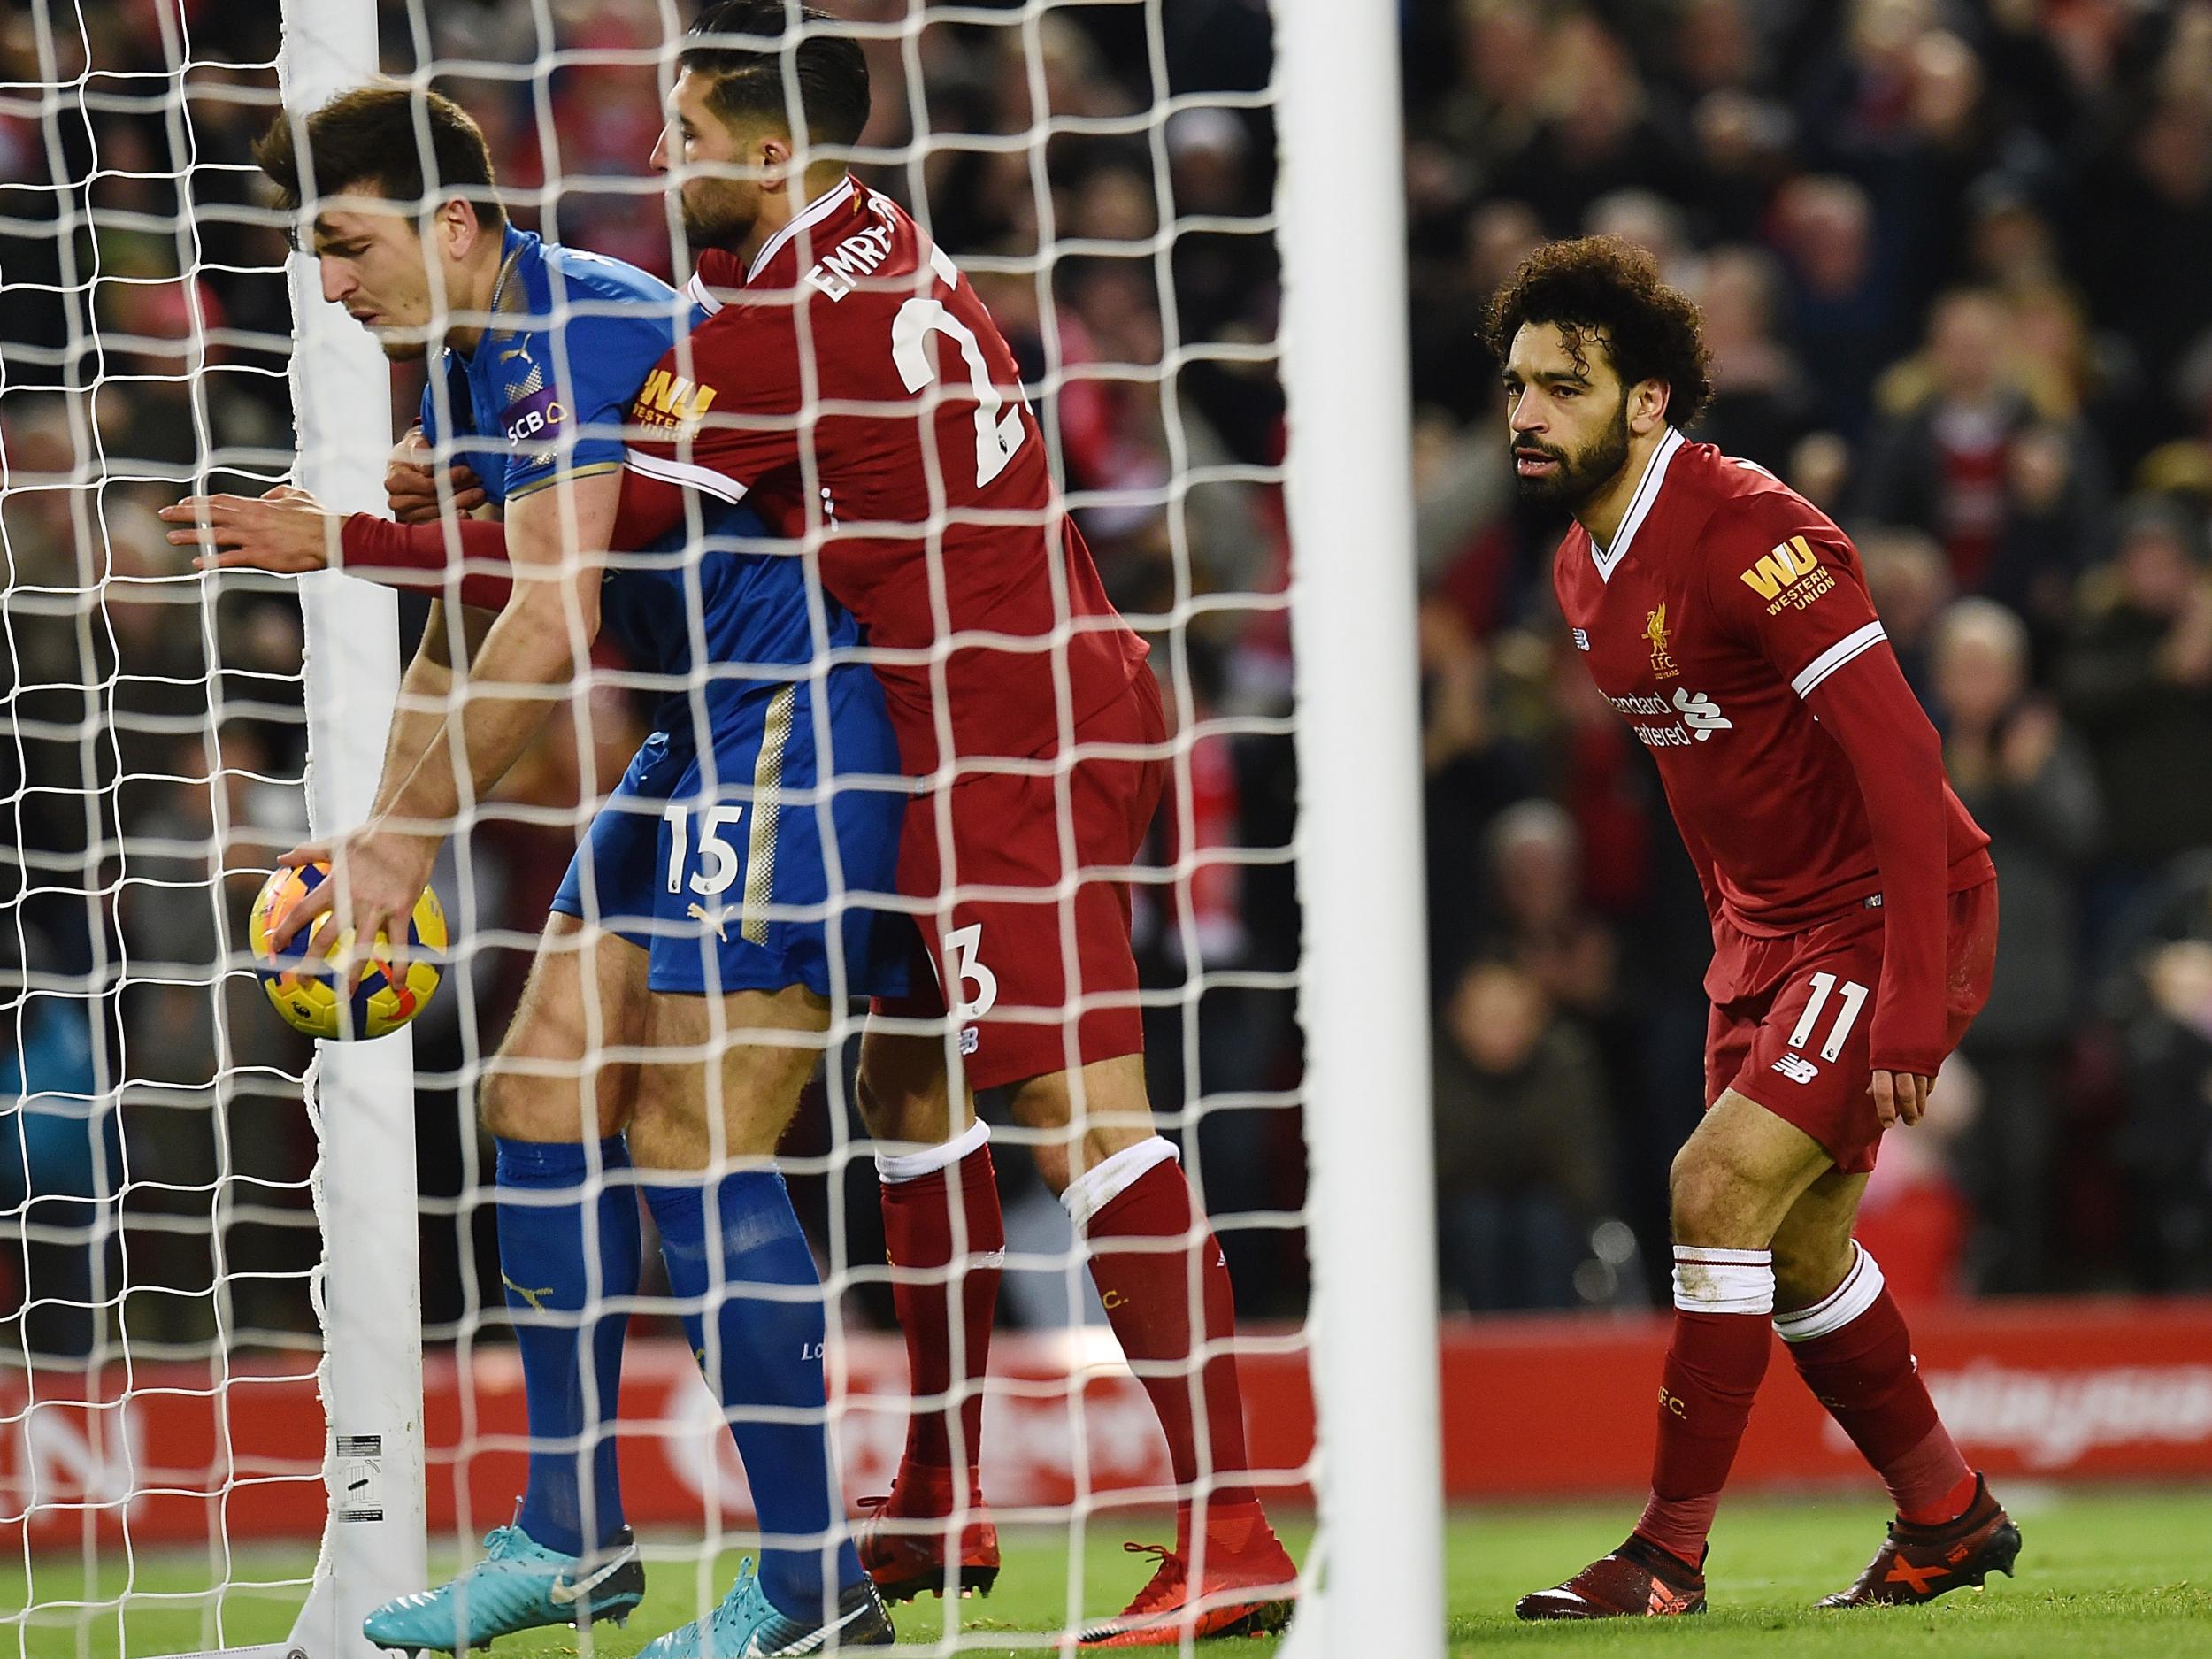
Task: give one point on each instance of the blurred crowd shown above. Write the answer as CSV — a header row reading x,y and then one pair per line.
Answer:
x,y
1949,257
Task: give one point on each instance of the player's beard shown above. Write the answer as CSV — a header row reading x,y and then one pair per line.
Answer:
x,y
718,214
1579,477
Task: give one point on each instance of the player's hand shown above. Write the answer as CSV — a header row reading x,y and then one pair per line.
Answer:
x,y
1900,1097
380,873
285,530
411,483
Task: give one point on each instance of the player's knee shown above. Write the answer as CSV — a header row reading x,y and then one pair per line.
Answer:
x,y
1704,1200
903,1102
503,1106
516,1105
662,1139
883,1110
1055,1165
1805,1269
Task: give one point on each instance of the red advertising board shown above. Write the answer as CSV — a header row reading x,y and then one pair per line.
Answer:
x,y
1533,1408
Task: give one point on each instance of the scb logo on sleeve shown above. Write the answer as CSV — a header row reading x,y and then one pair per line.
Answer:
x,y
534,415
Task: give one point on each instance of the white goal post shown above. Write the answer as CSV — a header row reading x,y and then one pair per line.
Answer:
x,y
1363,992
370,1301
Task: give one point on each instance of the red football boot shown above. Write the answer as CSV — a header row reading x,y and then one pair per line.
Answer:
x,y
1918,1563
1247,1584
901,1543
1638,1580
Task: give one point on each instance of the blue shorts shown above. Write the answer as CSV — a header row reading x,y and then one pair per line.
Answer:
x,y
718,864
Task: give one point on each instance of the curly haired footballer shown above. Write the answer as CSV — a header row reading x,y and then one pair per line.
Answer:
x,y
1727,619
1608,291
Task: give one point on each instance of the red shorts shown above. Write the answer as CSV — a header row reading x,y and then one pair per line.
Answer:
x,y
1790,1017
1009,952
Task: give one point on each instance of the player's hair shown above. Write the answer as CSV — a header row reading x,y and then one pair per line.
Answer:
x,y
367,143
1610,289
746,72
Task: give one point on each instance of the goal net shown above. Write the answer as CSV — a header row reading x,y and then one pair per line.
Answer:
x,y
219,1241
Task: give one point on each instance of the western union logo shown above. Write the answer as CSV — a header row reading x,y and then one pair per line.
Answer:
x,y
1789,560
670,400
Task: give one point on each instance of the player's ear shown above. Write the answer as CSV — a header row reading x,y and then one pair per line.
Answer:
x,y
458,227
771,158
1646,406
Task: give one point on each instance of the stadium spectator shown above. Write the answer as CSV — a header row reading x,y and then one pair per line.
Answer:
x,y
59,1161
1763,404
1906,573
1845,308
1943,461
1520,1140
2137,680
2159,993
2027,781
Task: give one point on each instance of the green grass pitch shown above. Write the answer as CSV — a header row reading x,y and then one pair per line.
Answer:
x,y
2105,1574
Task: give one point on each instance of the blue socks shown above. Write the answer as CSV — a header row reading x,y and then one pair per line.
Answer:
x,y
557,1258
766,1353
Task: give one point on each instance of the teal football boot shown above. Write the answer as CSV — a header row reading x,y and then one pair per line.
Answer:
x,y
519,1585
746,1626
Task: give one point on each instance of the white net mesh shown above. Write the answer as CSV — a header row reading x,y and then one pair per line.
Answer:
x,y
154,1158
1101,173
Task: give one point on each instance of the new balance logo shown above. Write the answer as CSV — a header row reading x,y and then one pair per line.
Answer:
x,y
1582,638
1797,1068
1700,714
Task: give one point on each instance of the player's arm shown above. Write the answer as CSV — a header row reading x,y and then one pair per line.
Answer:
x,y
1869,710
527,658
1835,655
746,365
426,691
528,655
287,532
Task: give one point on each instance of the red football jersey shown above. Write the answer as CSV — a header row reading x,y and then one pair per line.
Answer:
x,y
1730,623
852,387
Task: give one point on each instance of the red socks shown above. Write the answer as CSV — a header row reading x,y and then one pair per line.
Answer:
x,y
919,1233
1152,1256
1723,1301
1854,1353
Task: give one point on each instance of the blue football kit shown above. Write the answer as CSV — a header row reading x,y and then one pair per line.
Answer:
x,y
710,854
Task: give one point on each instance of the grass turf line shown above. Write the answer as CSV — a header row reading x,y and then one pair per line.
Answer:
x,y
2106,1574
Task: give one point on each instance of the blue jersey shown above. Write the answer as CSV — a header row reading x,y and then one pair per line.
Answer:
x,y
548,385
712,854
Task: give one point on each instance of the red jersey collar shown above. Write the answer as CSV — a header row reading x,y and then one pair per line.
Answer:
x,y
718,268
1608,559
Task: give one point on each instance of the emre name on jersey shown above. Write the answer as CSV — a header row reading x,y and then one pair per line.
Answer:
x,y
837,271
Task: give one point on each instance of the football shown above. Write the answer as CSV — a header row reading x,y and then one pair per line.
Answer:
x,y
302,980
